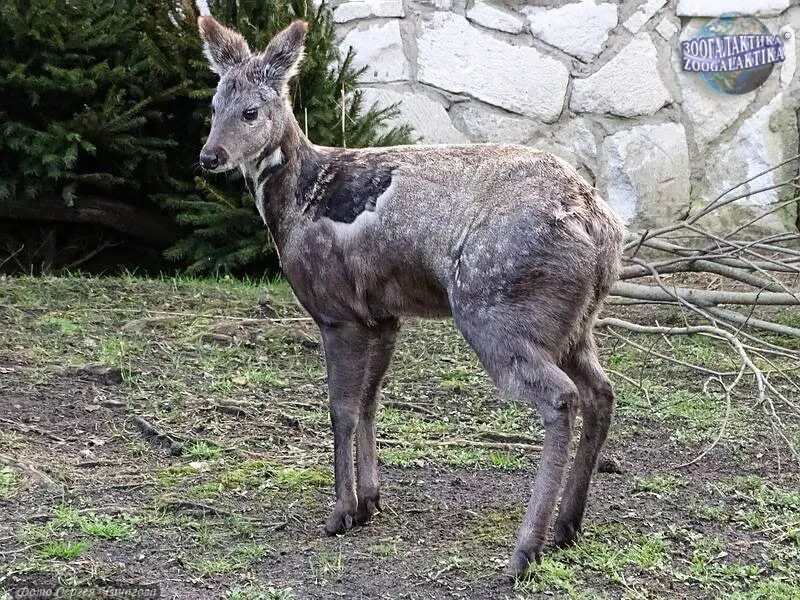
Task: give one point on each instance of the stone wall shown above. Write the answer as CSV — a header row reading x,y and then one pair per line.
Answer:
x,y
596,82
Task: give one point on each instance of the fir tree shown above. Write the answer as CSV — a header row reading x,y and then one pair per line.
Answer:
x,y
96,102
104,107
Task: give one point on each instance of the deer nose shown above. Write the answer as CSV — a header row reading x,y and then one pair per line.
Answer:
x,y
213,158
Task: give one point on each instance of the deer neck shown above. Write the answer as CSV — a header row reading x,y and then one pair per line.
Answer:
x,y
271,178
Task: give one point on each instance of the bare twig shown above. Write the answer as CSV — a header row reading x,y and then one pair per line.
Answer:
x,y
710,331
460,443
32,472
409,406
727,391
12,255
152,434
702,297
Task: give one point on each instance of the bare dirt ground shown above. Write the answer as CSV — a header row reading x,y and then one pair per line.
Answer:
x,y
175,433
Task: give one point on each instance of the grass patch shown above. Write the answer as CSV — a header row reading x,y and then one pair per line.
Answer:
x,y
717,513
11,440
401,457
174,474
548,576
209,567
384,548
262,377
295,479
107,528
772,589
259,593
494,526
612,550
66,518
60,325
659,485
326,565
762,505
250,552
63,550
469,458
695,416
10,483
202,451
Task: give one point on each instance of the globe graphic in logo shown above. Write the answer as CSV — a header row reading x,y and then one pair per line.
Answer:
x,y
736,82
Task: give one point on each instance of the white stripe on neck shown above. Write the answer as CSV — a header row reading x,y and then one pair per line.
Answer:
x,y
274,159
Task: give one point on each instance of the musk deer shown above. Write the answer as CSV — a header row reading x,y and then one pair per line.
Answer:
x,y
507,240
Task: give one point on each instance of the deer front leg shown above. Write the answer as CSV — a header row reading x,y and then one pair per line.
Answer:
x,y
380,354
346,356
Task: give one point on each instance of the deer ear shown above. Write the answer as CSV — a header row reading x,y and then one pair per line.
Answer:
x,y
281,59
223,47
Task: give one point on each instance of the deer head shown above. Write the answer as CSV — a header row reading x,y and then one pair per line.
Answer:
x,y
251,108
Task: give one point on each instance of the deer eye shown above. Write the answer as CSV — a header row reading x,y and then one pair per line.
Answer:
x,y
250,114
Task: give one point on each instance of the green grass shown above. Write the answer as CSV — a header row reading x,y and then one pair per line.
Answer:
x,y
107,528
295,479
771,589
201,532
247,553
658,485
693,416
710,512
259,593
762,505
325,566
513,418
262,377
60,325
614,549
550,575
385,548
11,440
67,519
202,451
494,525
248,474
238,558
10,482
174,474
469,458
63,550
210,567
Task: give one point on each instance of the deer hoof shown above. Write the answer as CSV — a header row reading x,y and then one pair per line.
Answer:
x,y
565,534
519,563
341,520
367,508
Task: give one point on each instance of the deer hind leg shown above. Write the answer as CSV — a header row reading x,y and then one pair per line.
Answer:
x,y
527,371
555,397
597,400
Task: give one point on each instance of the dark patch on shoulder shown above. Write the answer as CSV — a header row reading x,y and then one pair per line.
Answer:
x,y
342,185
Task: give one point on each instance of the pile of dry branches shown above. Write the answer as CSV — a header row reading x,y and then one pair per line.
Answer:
x,y
728,286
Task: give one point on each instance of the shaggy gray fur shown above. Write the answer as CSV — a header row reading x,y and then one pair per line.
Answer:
x,y
509,241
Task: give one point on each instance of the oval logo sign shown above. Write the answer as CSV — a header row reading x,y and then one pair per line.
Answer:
x,y
733,55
